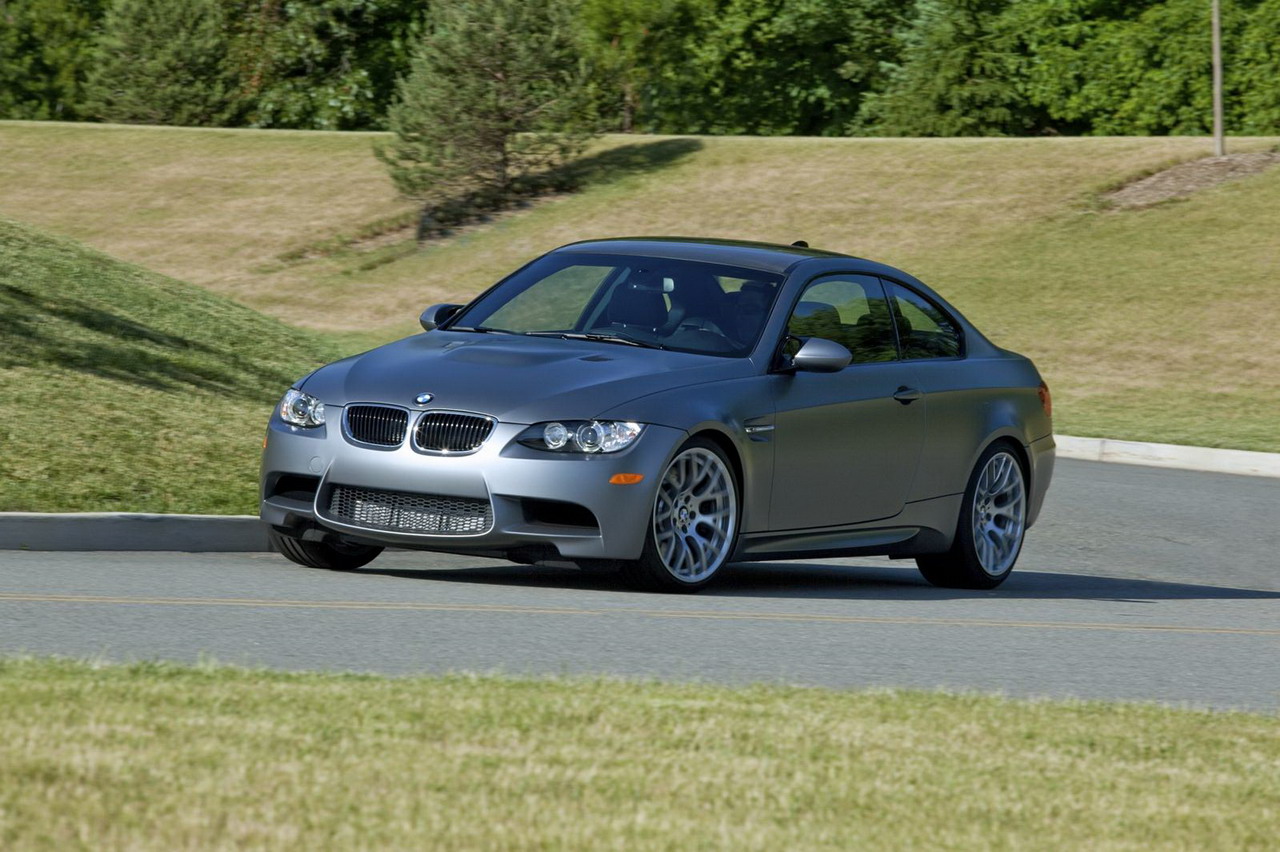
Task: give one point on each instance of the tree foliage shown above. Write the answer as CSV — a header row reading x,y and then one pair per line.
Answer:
x,y
957,77
1115,68
821,67
1256,71
46,49
1108,67
325,64
625,39
744,66
495,99
163,63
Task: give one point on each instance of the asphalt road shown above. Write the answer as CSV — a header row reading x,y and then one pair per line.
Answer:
x,y
1137,584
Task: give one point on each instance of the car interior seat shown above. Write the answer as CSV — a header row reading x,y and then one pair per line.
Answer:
x,y
697,303
872,335
638,305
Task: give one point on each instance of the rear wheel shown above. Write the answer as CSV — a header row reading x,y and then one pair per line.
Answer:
x,y
694,523
991,526
339,556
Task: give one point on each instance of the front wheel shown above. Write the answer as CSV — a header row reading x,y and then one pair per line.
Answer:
x,y
991,527
694,523
339,556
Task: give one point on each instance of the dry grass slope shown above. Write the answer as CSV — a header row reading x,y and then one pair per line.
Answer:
x,y
203,205
1149,325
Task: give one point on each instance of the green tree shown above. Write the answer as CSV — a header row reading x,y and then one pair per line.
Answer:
x,y
774,67
764,67
163,63
1117,68
628,40
494,101
325,64
46,48
1254,71
959,76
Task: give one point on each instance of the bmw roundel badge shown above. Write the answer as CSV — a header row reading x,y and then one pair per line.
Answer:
x,y
424,398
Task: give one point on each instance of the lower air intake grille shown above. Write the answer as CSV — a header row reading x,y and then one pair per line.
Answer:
x,y
377,424
397,511
452,432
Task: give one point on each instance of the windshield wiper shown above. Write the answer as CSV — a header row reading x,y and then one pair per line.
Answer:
x,y
613,337
480,329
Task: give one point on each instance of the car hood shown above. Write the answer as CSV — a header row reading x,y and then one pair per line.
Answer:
x,y
514,378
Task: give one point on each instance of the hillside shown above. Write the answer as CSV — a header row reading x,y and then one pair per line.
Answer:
x,y
121,389
1140,320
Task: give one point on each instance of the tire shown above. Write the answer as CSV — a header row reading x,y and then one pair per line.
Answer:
x,y
690,535
317,554
991,527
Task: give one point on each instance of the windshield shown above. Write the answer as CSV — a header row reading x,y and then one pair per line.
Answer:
x,y
639,301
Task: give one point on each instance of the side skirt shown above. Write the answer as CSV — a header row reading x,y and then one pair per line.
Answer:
x,y
927,526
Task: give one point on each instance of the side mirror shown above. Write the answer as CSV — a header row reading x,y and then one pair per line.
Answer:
x,y
437,314
821,356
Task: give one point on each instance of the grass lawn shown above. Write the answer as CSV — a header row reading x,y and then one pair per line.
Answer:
x,y
1148,325
202,205
121,389
156,756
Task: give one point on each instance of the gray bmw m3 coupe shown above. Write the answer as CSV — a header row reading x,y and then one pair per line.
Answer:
x,y
670,406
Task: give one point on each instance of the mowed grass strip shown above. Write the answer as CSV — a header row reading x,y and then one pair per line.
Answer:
x,y
157,756
124,390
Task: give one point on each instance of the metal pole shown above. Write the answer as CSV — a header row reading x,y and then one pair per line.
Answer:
x,y
1219,143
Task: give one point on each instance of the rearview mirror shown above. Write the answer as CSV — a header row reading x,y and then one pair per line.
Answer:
x,y
436,314
821,356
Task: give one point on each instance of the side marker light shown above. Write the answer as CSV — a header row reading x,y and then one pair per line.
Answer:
x,y
625,478
1046,400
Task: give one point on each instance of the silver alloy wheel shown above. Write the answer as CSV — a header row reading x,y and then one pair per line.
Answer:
x,y
999,513
695,515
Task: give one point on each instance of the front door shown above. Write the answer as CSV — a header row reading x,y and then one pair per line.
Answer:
x,y
846,444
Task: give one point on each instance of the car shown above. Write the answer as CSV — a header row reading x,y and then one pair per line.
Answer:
x,y
669,406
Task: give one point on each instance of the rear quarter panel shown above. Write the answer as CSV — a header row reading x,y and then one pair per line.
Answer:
x,y
972,402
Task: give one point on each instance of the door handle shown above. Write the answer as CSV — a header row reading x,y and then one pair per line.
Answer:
x,y
906,395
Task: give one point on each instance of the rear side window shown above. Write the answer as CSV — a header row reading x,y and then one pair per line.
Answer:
x,y
924,329
852,311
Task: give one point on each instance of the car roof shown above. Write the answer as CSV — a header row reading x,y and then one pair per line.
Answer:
x,y
766,257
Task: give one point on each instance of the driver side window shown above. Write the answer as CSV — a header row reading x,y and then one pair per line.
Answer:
x,y
850,310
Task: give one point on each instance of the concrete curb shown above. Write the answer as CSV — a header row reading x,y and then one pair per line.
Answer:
x,y
121,531
1203,459
247,534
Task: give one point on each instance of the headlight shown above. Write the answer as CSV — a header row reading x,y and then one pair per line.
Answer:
x,y
301,409
581,436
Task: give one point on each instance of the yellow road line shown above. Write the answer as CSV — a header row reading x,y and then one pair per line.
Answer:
x,y
713,615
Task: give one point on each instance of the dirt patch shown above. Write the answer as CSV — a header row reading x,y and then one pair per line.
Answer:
x,y
1187,178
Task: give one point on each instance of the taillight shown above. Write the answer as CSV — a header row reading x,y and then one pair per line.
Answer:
x,y
1046,400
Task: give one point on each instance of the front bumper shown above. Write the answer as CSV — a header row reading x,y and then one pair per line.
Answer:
x,y
513,478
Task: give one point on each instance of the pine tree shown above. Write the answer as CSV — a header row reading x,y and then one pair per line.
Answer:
x,y
494,101
163,63
46,48
958,77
